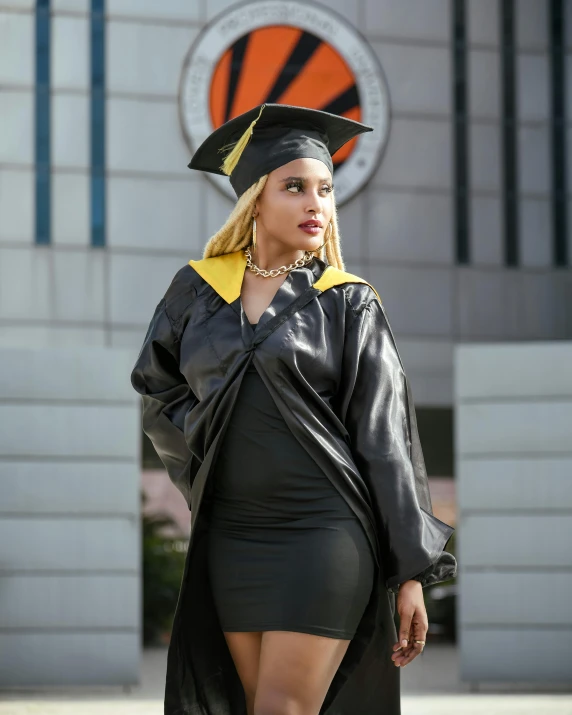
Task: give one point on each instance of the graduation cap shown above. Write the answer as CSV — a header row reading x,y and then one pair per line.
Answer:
x,y
269,136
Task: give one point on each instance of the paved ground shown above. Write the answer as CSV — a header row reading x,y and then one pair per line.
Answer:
x,y
430,687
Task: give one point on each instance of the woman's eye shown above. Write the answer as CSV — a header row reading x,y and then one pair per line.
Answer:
x,y
325,188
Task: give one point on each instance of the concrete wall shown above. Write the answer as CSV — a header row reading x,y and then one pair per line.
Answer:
x,y
70,581
514,497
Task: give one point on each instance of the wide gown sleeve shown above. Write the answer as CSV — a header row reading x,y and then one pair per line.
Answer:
x,y
378,413
166,398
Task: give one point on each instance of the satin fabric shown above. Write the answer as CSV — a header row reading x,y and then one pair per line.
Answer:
x,y
329,359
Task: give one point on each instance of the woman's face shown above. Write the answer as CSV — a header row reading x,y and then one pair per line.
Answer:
x,y
295,194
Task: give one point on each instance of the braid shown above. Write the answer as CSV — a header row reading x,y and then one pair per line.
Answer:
x,y
236,233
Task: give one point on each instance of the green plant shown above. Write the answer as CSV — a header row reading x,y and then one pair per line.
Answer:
x,y
163,564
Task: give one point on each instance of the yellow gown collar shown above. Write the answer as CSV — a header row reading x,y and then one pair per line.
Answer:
x,y
226,272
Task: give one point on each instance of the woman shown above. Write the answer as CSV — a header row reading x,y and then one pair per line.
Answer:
x,y
275,396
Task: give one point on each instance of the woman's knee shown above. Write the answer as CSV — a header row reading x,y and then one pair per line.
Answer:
x,y
268,702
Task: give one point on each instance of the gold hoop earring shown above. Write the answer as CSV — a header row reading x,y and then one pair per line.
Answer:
x,y
254,234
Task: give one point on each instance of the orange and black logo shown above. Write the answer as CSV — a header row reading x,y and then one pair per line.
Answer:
x,y
284,65
286,52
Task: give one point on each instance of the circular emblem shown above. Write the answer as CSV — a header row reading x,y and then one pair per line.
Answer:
x,y
286,52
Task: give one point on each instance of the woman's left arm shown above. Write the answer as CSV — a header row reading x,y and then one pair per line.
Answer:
x,y
377,409
166,396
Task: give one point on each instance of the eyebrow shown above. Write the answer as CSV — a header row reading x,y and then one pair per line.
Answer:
x,y
303,178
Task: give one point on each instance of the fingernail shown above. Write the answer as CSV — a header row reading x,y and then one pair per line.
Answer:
x,y
403,642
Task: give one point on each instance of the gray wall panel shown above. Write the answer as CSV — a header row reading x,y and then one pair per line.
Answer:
x,y
69,659
70,529
418,301
516,654
484,83
419,77
483,22
516,541
146,72
518,599
133,124
70,64
493,373
531,24
137,284
513,406
486,231
175,10
47,487
507,428
69,430
16,39
411,228
513,484
84,544
485,152
481,309
534,159
66,374
419,154
411,19
16,110
22,334
71,228
33,602
16,205
140,208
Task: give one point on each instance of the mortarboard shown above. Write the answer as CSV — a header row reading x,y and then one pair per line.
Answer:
x,y
269,136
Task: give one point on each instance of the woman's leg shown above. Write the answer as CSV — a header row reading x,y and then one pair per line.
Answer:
x,y
295,672
245,651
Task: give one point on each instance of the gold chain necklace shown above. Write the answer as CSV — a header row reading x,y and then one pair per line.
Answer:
x,y
306,258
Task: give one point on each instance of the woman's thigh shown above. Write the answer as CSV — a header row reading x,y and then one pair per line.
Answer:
x,y
245,651
295,672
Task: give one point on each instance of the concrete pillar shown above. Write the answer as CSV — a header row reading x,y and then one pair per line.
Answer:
x,y
70,586
513,434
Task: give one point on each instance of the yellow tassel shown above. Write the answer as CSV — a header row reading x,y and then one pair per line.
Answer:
x,y
231,160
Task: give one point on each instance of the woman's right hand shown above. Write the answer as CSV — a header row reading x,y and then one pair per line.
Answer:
x,y
413,623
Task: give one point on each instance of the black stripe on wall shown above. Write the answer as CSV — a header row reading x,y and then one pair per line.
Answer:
x,y
461,188
557,34
42,111
509,133
97,111
300,55
343,102
237,58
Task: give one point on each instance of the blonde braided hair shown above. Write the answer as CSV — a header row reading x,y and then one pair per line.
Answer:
x,y
236,233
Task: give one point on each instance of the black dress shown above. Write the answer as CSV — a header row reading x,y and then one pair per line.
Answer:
x,y
286,552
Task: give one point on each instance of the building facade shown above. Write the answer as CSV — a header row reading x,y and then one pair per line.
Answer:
x,y
463,228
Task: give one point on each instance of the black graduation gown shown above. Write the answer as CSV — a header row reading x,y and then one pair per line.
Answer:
x,y
325,350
